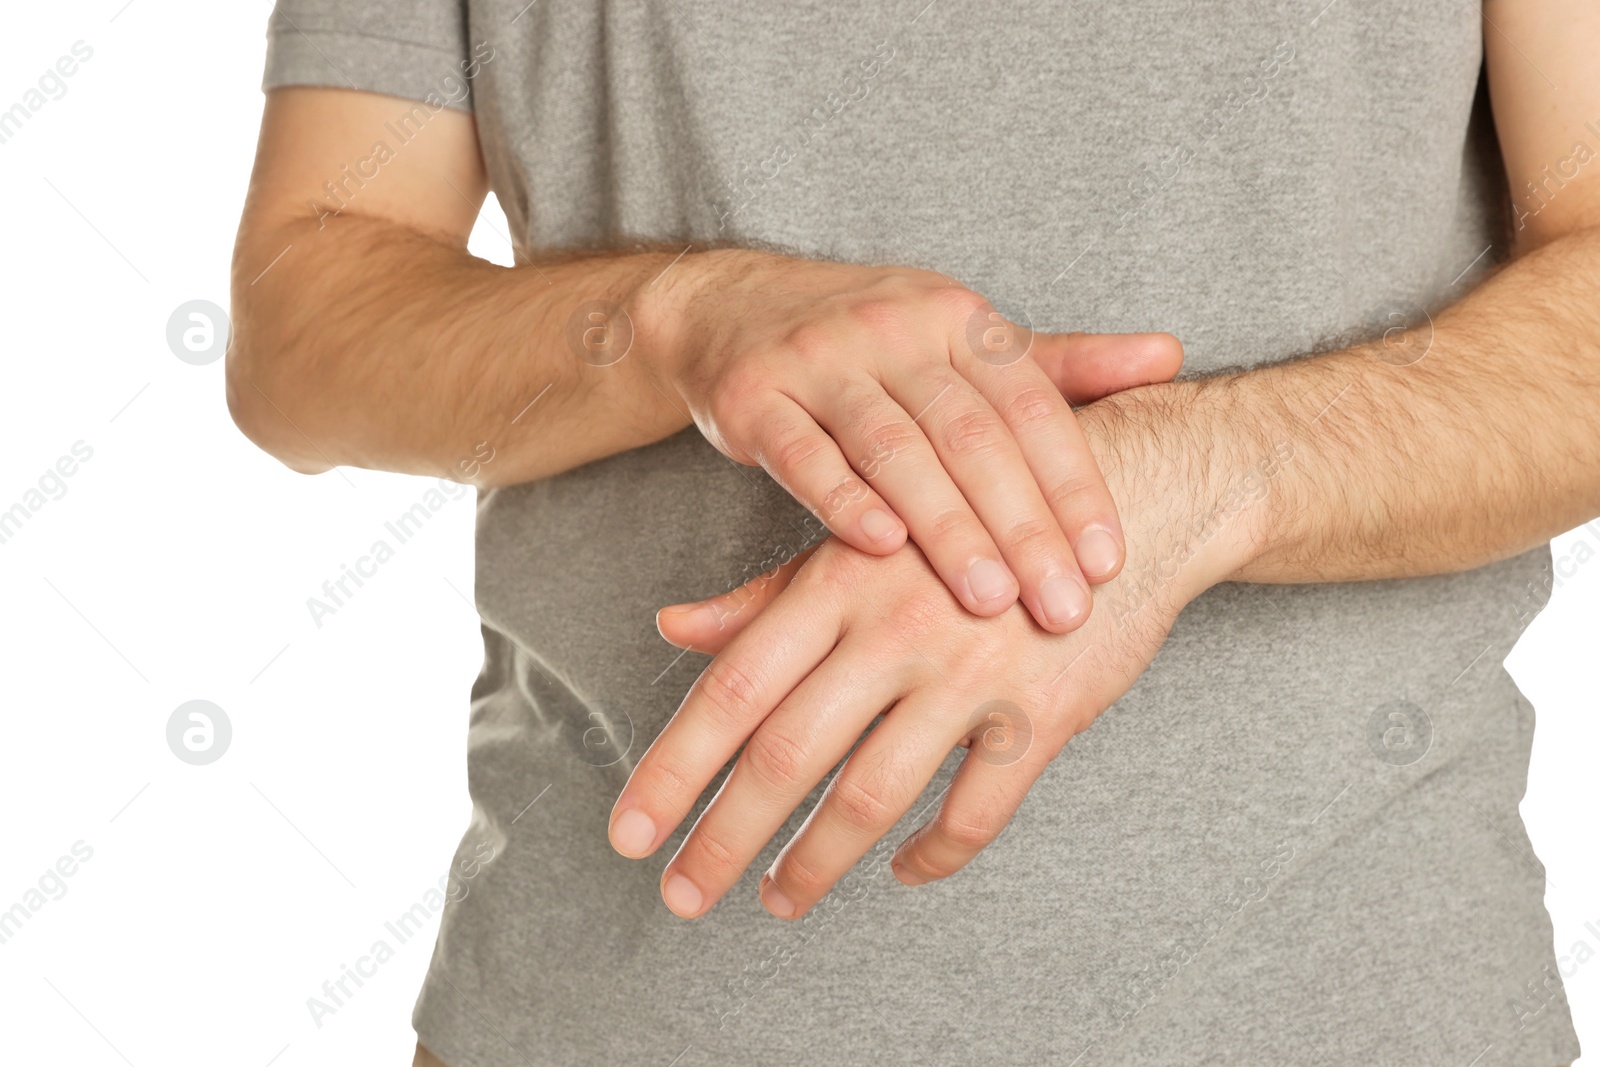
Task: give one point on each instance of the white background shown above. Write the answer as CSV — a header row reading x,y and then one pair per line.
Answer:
x,y
176,566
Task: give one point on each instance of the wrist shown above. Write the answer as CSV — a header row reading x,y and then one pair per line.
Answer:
x,y
1194,479
669,308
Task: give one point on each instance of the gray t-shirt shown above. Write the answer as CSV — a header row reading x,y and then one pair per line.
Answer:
x,y
1296,840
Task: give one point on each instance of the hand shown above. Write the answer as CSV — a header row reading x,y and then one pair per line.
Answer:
x,y
889,399
799,676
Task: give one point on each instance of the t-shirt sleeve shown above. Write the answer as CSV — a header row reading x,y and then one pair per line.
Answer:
x,y
416,49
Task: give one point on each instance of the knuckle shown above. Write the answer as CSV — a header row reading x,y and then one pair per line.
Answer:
x,y
1033,407
950,523
969,830
915,862
1036,534
777,759
708,852
729,692
889,438
1077,493
958,300
803,881
936,870
672,782
881,315
809,342
927,613
973,433
851,490
798,451
862,807
836,568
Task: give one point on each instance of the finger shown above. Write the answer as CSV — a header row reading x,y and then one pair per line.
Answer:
x,y
986,792
808,734
1087,366
807,462
1052,442
910,474
708,625
875,787
987,465
724,706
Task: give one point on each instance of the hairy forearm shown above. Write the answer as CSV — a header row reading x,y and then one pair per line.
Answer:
x,y
1483,448
374,345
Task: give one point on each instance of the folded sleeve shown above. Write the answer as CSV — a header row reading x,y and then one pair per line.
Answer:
x,y
416,49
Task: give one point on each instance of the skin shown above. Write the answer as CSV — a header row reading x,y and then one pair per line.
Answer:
x,y
804,673
328,309
1435,450
369,336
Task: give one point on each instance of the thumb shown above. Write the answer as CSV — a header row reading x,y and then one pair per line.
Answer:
x,y
708,625
1088,366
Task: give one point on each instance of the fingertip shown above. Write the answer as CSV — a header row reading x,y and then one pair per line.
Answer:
x,y
990,608
1164,355
681,896
632,834
856,540
1100,553
904,875
881,530
775,900
675,622
987,588
1063,604
1105,576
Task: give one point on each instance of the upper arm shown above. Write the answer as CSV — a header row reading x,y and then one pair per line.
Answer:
x,y
325,151
1544,82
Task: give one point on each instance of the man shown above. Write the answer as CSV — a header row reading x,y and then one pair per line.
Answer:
x,y
1295,836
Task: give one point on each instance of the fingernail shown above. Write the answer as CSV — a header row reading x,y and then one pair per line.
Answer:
x,y
988,580
1098,552
1063,600
633,834
680,615
774,900
879,525
682,897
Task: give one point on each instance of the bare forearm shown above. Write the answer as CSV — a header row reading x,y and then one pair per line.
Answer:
x,y
374,345
1483,448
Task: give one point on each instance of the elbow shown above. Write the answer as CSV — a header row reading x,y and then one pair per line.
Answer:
x,y
260,372
266,385
264,418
